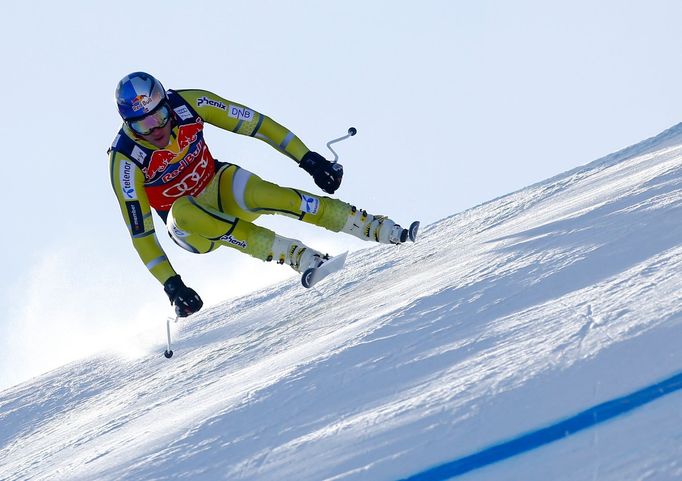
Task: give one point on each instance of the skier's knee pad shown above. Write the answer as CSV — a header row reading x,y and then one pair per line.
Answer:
x,y
181,224
190,242
190,215
180,214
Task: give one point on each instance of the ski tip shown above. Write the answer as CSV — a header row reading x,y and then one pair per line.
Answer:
x,y
413,231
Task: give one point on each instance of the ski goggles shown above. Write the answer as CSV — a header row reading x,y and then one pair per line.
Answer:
x,y
156,119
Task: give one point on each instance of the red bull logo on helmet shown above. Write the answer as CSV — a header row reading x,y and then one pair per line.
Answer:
x,y
141,102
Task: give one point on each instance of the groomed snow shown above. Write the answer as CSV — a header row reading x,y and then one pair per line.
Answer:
x,y
501,320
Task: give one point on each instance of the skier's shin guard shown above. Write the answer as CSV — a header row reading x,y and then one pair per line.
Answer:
x,y
339,216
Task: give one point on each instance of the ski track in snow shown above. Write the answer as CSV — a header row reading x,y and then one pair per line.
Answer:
x,y
500,320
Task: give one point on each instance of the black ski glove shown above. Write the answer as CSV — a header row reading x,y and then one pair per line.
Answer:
x,y
327,175
185,300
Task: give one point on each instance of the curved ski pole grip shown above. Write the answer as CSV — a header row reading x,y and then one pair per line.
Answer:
x,y
351,132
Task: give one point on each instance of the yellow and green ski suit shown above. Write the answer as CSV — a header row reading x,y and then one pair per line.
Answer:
x,y
206,203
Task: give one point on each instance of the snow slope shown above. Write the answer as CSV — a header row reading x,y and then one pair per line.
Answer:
x,y
500,321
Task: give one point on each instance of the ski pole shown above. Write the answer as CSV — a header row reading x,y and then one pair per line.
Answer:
x,y
169,352
351,132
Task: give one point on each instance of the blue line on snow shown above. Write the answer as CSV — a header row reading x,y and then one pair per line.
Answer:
x,y
527,442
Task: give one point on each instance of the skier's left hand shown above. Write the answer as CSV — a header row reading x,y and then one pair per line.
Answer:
x,y
185,299
327,175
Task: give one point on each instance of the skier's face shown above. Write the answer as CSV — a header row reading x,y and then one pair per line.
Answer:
x,y
159,137
155,127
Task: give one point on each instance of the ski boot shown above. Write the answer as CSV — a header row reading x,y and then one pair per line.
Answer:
x,y
295,254
378,228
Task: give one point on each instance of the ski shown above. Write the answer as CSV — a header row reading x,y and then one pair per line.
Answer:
x,y
313,275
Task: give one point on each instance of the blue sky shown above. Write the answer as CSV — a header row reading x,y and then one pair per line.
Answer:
x,y
455,103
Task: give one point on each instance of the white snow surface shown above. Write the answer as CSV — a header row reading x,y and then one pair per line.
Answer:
x,y
499,321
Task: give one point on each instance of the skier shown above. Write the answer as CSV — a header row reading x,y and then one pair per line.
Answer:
x,y
159,159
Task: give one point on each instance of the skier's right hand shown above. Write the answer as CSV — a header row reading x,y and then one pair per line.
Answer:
x,y
327,175
185,300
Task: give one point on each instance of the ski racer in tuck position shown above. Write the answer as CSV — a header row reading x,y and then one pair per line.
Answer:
x,y
159,160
